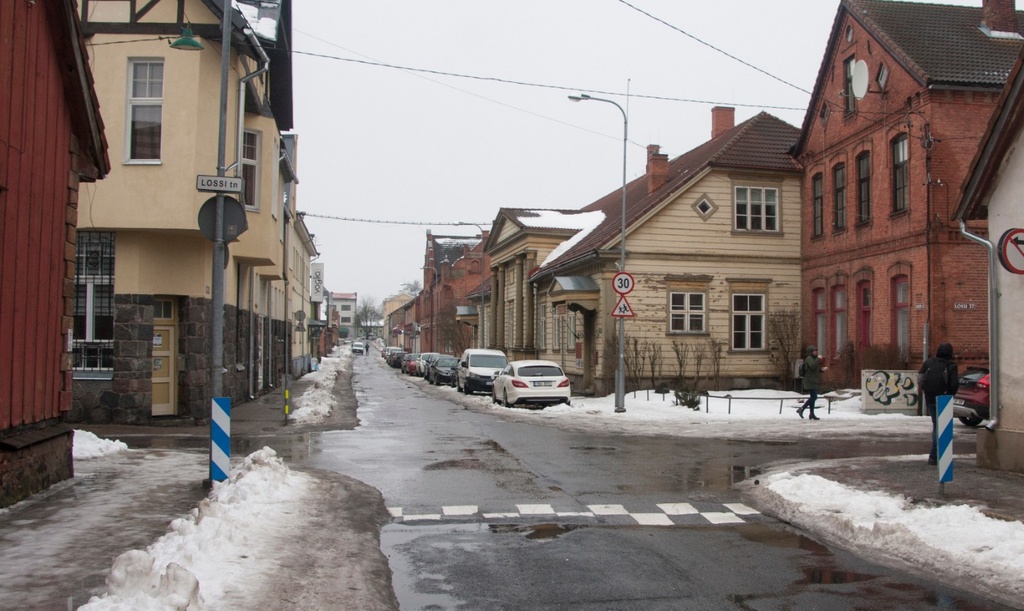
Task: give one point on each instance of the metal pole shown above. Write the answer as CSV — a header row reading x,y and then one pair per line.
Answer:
x,y
620,371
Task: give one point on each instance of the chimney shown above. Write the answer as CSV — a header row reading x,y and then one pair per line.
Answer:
x,y
723,118
998,16
657,168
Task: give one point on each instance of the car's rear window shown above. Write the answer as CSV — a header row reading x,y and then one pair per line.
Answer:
x,y
487,360
447,361
535,371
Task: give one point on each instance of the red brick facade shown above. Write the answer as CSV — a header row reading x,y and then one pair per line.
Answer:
x,y
911,238
452,268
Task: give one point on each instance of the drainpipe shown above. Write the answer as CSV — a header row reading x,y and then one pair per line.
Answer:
x,y
993,336
265,65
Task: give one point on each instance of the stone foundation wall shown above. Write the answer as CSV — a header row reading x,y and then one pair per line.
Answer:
x,y
28,470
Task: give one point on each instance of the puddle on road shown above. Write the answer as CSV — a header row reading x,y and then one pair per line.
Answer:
x,y
535,531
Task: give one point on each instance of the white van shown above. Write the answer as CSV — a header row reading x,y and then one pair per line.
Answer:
x,y
478,368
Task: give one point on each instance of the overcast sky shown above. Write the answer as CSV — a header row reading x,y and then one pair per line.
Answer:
x,y
391,145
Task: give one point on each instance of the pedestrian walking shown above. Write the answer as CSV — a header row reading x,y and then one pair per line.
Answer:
x,y
811,374
939,375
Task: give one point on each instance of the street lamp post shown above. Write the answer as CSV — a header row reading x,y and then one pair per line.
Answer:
x,y
620,370
217,290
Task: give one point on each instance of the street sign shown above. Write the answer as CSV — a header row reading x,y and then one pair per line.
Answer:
x,y
219,184
235,223
622,309
623,283
1011,251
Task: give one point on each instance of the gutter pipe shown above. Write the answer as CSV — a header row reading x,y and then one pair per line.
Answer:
x,y
993,336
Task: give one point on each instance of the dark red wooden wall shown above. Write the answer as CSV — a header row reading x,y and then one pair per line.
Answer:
x,y
35,174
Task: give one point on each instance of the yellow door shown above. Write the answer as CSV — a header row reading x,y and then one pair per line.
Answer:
x,y
164,360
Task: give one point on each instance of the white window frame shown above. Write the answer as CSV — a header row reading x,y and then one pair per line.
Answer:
x,y
133,102
252,164
745,217
687,312
89,351
542,327
743,339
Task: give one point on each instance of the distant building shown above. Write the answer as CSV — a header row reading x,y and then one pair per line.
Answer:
x,y
344,314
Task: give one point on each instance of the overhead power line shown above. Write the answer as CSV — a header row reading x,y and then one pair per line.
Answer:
x,y
383,222
495,79
723,52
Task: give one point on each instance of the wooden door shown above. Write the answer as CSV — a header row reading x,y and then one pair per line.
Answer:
x,y
165,355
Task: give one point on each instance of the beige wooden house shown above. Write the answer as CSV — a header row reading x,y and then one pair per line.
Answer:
x,y
713,243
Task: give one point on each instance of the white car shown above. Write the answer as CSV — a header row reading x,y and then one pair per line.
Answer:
x,y
534,383
358,348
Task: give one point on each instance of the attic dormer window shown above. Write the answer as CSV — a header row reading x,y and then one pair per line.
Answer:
x,y
883,76
849,33
704,207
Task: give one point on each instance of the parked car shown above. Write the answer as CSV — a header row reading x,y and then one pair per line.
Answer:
x,y
533,383
423,363
443,370
477,369
409,363
395,358
358,348
388,351
971,402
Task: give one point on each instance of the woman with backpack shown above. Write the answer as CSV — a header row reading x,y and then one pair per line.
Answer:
x,y
811,373
938,376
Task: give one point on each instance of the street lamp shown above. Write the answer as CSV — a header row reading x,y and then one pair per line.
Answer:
x,y
620,370
480,315
217,290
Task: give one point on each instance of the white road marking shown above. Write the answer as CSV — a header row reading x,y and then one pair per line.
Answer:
x,y
678,509
652,519
532,510
608,510
459,510
722,517
741,510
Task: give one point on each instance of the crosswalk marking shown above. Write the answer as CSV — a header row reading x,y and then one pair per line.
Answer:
x,y
671,514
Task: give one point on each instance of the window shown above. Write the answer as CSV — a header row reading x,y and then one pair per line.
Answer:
x,y
901,314
900,177
686,313
864,187
747,322
93,331
145,109
820,330
850,101
839,317
557,320
346,307
757,209
817,188
346,320
839,196
251,168
864,320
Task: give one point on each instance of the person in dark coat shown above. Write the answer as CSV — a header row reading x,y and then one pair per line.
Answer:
x,y
811,381
942,361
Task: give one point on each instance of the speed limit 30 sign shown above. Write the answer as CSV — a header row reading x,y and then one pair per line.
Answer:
x,y
623,283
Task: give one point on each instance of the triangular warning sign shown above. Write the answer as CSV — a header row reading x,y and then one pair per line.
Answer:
x,y
622,309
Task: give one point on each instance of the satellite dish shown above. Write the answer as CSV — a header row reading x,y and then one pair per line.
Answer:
x,y
860,79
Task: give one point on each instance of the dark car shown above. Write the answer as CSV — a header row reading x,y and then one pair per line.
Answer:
x,y
395,358
442,370
971,402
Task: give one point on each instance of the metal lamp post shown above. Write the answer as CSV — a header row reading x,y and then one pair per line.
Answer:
x,y
620,370
217,290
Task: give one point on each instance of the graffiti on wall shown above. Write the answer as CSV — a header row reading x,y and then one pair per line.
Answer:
x,y
889,390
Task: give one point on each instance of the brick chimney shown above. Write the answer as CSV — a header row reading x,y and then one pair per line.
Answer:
x,y
998,15
723,118
657,168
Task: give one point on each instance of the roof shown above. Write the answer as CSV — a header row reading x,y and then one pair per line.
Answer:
x,y
449,249
942,43
942,46
761,143
1006,122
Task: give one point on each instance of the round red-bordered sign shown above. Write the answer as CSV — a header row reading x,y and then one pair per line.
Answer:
x,y
1011,250
623,283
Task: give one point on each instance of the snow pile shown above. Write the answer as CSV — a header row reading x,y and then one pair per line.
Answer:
x,y
230,534
88,445
955,539
318,401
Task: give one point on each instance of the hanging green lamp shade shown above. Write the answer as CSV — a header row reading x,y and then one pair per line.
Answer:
x,y
187,42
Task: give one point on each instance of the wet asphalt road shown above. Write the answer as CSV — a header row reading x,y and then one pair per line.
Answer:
x,y
494,512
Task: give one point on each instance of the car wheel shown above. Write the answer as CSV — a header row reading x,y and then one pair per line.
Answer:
x,y
971,420
504,399
494,397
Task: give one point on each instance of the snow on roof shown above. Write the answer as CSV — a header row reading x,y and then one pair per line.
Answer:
x,y
557,219
263,26
469,241
585,223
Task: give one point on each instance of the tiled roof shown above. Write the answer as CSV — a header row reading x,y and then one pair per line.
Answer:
x,y
943,44
761,143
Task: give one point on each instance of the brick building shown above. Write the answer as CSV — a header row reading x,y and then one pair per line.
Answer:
x,y
453,266
902,98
